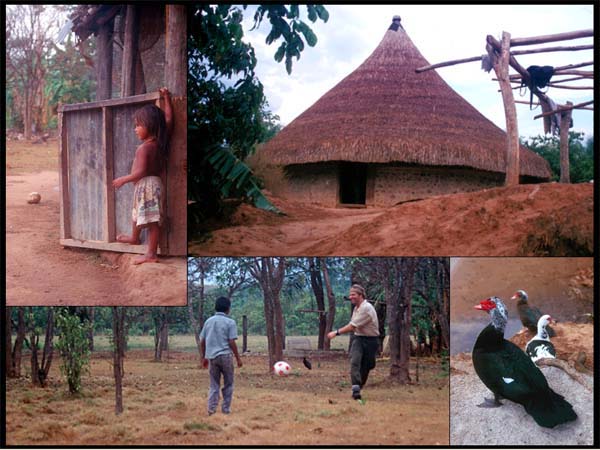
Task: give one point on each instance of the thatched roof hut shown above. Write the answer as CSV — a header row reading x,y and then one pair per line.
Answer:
x,y
384,113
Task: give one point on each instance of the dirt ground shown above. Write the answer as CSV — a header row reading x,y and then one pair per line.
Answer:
x,y
165,404
39,271
548,219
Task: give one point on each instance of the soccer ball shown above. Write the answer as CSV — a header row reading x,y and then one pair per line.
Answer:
x,y
282,368
34,198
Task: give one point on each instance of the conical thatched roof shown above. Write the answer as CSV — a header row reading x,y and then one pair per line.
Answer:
x,y
385,112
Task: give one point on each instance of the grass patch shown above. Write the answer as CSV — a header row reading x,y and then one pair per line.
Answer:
x,y
187,343
200,426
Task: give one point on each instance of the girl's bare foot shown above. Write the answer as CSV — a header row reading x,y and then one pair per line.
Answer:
x,y
127,239
145,259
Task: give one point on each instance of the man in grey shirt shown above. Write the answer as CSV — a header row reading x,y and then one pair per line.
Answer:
x,y
218,348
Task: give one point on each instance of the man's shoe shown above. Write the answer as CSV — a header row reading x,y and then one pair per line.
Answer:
x,y
356,392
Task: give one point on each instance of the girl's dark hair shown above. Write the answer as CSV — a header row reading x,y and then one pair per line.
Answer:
x,y
153,118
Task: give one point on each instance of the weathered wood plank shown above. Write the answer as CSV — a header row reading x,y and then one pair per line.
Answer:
x,y
142,98
86,170
108,246
63,173
108,149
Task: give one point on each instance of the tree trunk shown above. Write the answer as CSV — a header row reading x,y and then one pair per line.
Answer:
x,y
27,115
118,322
330,318
18,348
159,322
39,372
164,336
270,326
398,292
270,277
443,266
316,281
279,326
195,328
10,370
91,314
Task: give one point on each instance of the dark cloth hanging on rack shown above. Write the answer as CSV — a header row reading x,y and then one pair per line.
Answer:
x,y
539,77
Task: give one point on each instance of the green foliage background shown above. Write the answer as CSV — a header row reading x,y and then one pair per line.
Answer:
x,y
581,155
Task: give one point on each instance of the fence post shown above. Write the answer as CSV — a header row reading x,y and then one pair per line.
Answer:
x,y
244,333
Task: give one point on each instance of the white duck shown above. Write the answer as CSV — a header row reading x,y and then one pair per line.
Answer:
x,y
540,346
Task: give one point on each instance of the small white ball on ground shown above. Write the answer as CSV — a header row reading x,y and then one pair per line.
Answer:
x,y
34,197
282,369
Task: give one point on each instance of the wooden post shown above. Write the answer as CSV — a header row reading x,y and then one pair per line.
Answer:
x,y
63,170
130,49
176,82
104,62
565,122
501,65
244,333
176,50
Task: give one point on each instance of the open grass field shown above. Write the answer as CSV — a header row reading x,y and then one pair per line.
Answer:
x,y
187,343
165,404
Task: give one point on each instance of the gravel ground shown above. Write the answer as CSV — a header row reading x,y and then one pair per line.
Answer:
x,y
510,424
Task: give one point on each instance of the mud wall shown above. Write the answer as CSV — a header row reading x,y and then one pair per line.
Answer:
x,y
398,183
312,183
388,184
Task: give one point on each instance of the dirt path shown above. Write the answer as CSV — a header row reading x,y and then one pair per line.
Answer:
x,y
545,220
39,271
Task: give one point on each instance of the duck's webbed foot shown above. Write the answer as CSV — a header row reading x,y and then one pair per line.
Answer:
x,y
490,403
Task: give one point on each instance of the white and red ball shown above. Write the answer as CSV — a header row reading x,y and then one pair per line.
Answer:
x,y
282,368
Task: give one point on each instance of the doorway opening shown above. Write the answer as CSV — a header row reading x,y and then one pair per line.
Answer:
x,y
353,183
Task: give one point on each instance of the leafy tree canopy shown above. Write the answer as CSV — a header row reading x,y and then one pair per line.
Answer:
x,y
227,112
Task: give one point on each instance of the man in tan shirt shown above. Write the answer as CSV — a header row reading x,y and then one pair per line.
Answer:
x,y
365,325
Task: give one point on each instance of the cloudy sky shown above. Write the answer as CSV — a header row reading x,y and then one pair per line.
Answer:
x,y
441,33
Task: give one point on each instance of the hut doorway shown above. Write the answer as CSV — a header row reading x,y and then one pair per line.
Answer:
x,y
353,183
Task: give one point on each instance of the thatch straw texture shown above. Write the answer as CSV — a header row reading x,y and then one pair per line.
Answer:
x,y
384,112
